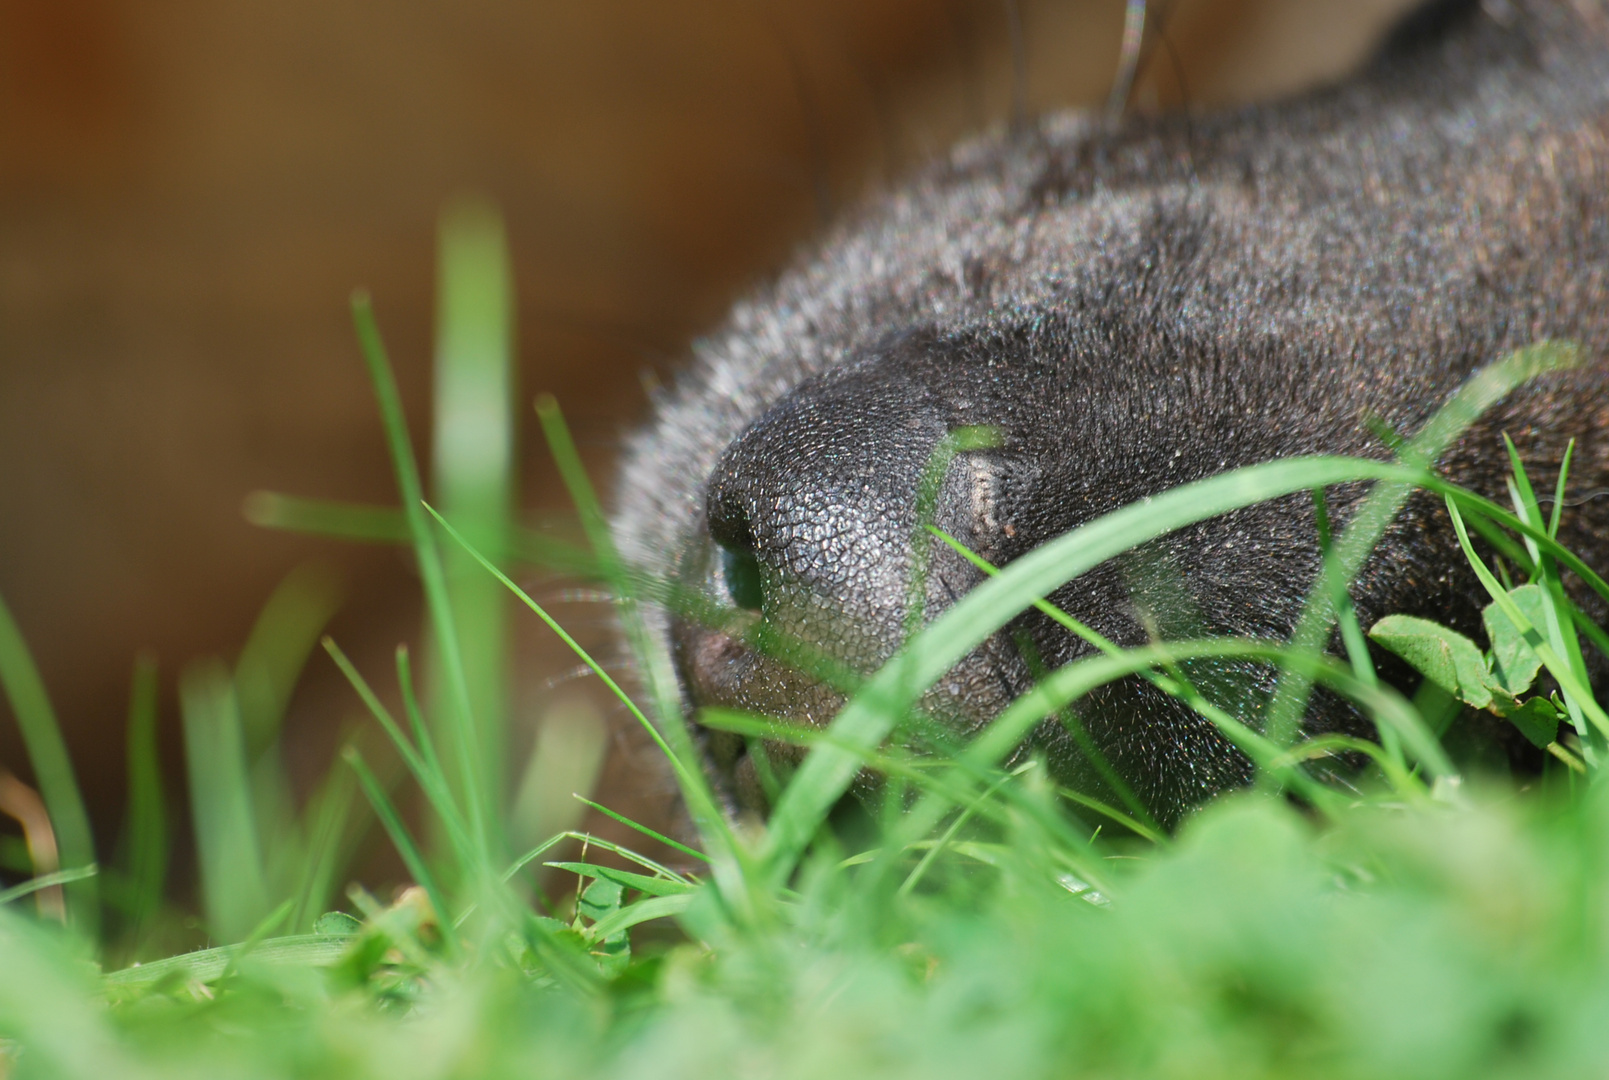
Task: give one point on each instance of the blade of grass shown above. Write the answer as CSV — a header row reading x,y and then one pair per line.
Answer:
x,y
1352,638
1558,490
566,756
1357,649
473,455
326,517
207,965
656,907
146,839
424,741
1073,724
281,640
258,935
922,772
427,775
1472,503
328,824
265,676
1112,813
653,886
45,881
235,895
460,714
360,523
1594,632
589,841
1328,745
954,443
1559,627
53,769
1489,518
645,830
948,837
1505,546
391,821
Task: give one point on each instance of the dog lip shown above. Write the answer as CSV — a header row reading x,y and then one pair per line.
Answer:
x,y
713,661
720,669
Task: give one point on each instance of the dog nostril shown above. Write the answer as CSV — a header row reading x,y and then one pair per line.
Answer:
x,y
728,524
742,573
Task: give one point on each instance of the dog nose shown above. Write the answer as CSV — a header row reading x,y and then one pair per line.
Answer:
x,y
815,540
808,523
814,506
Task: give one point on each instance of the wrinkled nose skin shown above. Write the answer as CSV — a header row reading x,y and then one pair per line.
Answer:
x,y
811,522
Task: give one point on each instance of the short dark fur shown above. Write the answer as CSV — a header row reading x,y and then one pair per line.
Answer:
x,y
1133,310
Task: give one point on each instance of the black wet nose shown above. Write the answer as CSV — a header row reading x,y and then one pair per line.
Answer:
x,y
818,497
815,520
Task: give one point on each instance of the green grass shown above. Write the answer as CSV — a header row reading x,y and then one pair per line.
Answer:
x,y
1416,917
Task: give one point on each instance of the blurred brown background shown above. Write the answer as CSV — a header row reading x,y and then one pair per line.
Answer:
x,y
189,191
